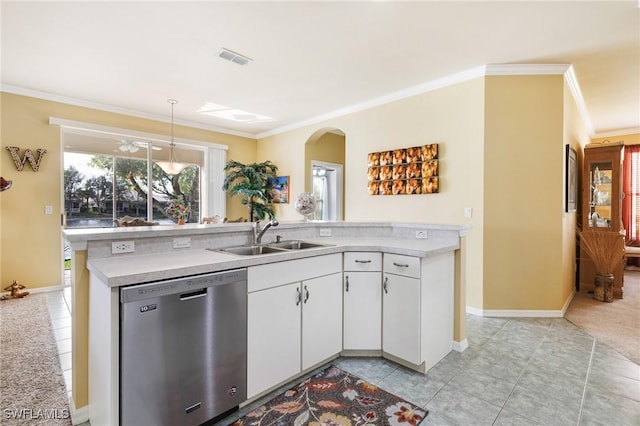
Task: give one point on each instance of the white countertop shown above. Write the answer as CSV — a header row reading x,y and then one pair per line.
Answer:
x,y
135,269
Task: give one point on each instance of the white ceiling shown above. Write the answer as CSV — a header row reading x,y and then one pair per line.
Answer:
x,y
310,59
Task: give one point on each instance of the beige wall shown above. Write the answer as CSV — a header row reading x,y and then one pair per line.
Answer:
x,y
502,142
524,151
576,136
29,237
452,117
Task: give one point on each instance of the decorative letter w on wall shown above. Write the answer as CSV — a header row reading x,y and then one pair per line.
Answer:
x,y
28,156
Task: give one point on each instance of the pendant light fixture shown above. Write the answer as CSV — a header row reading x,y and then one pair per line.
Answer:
x,y
172,167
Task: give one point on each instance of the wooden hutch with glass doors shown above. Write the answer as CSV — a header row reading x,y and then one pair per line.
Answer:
x,y
601,204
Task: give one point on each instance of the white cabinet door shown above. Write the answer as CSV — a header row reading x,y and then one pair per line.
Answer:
x,y
401,317
273,337
362,294
321,319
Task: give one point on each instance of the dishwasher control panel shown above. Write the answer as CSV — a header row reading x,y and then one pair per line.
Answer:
x,y
178,285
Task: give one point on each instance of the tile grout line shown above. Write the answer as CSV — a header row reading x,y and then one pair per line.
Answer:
x,y
518,380
458,372
586,381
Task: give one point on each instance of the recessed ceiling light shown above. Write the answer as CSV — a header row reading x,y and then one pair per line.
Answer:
x,y
233,114
234,57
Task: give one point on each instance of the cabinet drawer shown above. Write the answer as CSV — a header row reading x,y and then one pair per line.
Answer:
x,y
363,261
407,266
269,275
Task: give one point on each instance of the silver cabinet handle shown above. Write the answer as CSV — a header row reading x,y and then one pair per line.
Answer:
x,y
306,297
400,265
194,294
362,261
298,296
385,286
346,280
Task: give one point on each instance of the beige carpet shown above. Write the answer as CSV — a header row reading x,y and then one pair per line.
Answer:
x,y
617,324
32,389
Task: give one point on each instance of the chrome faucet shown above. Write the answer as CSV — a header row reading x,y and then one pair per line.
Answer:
x,y
257,233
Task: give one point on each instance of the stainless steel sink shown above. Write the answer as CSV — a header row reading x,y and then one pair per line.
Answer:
x,y
252,250
277,247
295,245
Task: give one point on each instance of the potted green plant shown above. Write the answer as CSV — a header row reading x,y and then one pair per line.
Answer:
x,y
253,182
606,250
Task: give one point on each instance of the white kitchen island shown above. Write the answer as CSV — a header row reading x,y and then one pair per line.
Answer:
x,y
422,270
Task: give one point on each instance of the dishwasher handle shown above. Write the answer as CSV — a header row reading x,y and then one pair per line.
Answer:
x,y
194,294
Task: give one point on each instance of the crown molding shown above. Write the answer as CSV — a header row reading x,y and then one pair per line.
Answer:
x,y
452,79
526,69
7,88
574,88
470,74
391,97
618,132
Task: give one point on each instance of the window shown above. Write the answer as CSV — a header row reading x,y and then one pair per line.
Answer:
x,y
107,176
631,189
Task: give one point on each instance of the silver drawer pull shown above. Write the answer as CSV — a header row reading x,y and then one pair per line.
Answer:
x,y
298,296
400,265
346,279
306,296
362,261
385,286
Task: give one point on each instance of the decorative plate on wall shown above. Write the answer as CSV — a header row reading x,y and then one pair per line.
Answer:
x,y
404,171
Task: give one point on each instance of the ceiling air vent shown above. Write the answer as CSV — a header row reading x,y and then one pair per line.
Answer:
x,y
232,56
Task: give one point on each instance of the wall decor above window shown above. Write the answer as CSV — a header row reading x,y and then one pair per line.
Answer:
x,y
404,171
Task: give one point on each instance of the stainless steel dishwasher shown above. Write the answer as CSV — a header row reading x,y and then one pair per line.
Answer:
x,y
183,346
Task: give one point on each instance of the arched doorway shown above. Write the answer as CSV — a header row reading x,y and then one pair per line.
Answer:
x,y
324,172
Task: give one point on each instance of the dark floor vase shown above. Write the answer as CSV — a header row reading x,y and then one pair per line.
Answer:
x,y
603,290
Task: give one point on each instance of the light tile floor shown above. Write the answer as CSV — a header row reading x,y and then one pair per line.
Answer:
x,y
516,371
59,303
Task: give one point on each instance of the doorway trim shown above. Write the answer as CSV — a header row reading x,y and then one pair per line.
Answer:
x,y
339,172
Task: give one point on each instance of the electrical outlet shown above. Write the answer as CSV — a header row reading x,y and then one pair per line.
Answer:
x,y
122,247
184,242
421,235
325,232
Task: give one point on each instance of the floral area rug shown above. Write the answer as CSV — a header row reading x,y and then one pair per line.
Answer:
x,y
334,398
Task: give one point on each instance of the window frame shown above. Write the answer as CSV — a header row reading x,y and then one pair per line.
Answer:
x,y
212,197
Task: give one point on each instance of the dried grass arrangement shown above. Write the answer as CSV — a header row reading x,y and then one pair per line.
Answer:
x,y
606,249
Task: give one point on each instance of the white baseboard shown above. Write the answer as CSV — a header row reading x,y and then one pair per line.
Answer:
x,y
474,311
520,313
47,289
568,302
80,415
460,346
